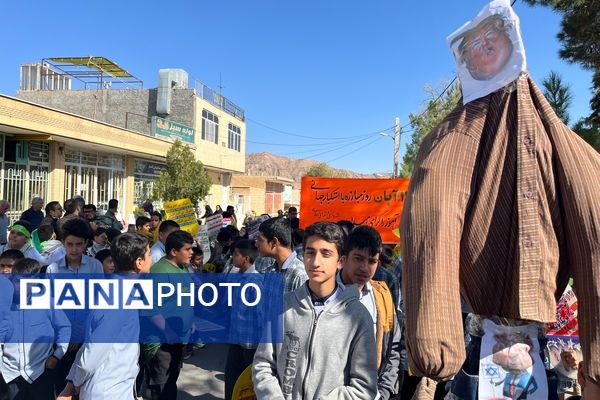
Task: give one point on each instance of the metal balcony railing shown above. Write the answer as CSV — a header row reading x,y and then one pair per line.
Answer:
x,y
218,100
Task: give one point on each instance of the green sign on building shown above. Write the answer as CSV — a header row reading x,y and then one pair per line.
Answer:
x,y
172,130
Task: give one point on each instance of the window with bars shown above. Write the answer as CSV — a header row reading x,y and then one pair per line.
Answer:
x,y
210,127
235,137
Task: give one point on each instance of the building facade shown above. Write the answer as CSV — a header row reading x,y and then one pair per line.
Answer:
x,y
260,194
104,143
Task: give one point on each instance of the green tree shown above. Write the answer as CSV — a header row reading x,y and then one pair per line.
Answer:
x,y
579,37
185,176
590,132
423,123
559,95
323,170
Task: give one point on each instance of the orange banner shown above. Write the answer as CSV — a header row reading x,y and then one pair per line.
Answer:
x,y
373,202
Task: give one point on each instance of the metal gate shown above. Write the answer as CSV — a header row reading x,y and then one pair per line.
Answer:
x,y
15,178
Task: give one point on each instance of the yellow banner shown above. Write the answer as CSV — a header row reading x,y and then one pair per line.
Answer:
x,y
182,211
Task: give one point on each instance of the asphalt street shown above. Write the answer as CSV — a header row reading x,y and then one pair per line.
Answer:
x,y
202,376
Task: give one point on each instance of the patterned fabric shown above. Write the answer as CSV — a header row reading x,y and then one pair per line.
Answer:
x,y
503,208
295,274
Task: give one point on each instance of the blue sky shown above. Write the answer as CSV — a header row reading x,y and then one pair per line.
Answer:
x,y
329,69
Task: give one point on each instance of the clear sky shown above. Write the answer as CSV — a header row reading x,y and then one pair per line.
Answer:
x,y
334,70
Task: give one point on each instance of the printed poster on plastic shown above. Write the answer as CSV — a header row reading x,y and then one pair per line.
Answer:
x,y
488,50
182,211
510,366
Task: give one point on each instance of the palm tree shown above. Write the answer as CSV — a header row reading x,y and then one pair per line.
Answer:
x,y
559,95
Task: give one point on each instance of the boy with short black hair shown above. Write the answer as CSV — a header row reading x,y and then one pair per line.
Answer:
x,y
105,257
76,234
197,261
246,319
275,241
173,325
99,243
313,363
35,344
8,258
104,370
164,230
243,256
142,227
359,264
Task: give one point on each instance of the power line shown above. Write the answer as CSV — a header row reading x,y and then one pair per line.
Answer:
x,y
317,137
320,153
305,144
336,147
354,151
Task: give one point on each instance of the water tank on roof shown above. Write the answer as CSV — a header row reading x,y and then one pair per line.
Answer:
x,y
169,79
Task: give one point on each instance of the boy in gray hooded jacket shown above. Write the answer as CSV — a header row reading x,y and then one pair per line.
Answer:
x,y
327,350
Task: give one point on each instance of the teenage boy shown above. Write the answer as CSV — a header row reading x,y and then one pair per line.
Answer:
x,y
158,251
76,234
173,324
359,263
327,350
240,354
108,370
195,268
8,259
72,211
35,344
19,238
197,261
142,227
100,242
275,241
108,264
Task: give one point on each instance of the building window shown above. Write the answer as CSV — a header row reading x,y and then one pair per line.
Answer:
x,y
210,127
235,135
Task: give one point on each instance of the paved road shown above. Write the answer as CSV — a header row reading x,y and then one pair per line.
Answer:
x,y
203,376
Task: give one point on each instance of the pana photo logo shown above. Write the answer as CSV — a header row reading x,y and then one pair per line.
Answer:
x,y
138,294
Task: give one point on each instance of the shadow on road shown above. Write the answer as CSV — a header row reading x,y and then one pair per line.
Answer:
x,y
202,376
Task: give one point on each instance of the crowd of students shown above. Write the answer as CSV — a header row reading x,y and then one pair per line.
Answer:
x,y
342,320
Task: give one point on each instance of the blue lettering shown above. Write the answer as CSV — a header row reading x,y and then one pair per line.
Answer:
x,y
31,294
109,297
70,296
141,296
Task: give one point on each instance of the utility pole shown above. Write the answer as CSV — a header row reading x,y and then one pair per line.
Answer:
x,y
396,172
